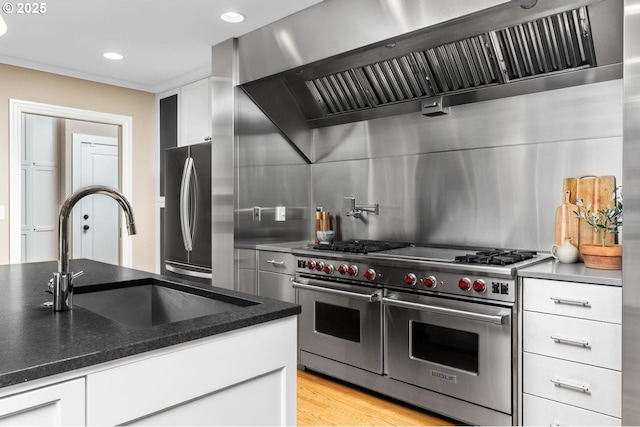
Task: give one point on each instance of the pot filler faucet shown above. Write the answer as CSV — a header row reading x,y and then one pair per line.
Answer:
x,y
61,285
355,210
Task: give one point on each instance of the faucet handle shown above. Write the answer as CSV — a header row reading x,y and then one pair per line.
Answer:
x,y
50,286
78,274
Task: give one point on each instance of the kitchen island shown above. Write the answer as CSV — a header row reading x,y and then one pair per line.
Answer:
x,y
87,369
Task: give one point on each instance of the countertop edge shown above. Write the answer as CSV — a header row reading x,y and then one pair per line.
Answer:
x,y
577,272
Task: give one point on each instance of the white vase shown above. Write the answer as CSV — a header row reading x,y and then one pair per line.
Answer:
x,y
566,253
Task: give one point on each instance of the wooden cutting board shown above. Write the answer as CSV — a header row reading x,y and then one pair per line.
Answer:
x,y
567,223
598,191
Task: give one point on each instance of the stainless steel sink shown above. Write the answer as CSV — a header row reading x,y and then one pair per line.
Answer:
x,y
151,302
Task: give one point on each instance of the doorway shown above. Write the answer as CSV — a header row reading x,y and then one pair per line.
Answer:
x,y
18,109
95,219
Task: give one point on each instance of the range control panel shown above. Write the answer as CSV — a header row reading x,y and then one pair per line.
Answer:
x,y
467,284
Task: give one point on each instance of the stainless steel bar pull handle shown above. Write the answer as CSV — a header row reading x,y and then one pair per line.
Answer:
x,y
572,385
189,273
571,301
185,187
374,297
490,318
274,262
568,340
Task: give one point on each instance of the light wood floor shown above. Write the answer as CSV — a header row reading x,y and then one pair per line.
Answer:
x,y
324,402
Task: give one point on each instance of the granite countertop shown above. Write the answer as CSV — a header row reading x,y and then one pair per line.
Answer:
x,y
36,342
578,272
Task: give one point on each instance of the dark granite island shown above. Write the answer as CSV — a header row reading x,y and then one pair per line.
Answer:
x,y
78,367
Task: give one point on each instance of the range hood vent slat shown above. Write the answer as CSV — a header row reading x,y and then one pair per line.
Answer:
x,y
546,45
424,74
392,81
409,69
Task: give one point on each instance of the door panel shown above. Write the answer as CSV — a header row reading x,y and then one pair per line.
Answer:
x,y
99,222
201,254
444,350
341,328
174,245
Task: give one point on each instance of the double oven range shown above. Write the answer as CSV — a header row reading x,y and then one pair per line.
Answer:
x,y
432,326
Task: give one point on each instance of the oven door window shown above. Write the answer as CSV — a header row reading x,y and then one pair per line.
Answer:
x,y
339,322
447,347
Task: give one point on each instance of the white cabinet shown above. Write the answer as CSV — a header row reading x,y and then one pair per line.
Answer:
x,y
57,404
199,384
211,381
195,112
572,347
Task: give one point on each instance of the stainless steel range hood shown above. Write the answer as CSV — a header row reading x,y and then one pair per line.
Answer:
x,y
503,51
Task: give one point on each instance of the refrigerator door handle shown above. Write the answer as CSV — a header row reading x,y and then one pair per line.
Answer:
x,y
189,273
185,187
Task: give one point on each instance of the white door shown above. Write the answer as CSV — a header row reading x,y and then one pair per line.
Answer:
x,y
96,217
40,188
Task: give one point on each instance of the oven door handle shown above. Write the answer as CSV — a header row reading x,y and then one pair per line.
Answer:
x,y
374,297
495,319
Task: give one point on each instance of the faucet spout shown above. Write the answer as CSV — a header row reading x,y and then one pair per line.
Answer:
x,y
63,278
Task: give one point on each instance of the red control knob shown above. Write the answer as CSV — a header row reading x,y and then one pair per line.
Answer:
x,y
342,269
410,279
311,265
370,274
479,286
328,269
464,284
430,282
352,270
320,266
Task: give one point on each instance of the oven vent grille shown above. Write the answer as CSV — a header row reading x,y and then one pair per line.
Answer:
x,y
547,45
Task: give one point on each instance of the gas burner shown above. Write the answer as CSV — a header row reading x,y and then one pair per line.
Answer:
x,y
496,257
360,246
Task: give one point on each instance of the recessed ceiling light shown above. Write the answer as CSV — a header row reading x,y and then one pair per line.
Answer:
x,y
113,55
232,17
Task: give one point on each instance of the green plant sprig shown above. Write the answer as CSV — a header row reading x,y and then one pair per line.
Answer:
x,y
603,221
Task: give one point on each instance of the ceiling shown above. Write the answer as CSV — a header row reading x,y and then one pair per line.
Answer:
x,y
165,43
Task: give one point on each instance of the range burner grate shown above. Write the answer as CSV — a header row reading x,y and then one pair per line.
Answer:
x,y
360,246
496,257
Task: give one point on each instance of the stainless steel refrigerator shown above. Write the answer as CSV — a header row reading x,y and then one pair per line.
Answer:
x,y
187,220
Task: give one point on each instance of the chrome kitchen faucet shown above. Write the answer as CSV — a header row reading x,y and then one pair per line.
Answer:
x,y
61,285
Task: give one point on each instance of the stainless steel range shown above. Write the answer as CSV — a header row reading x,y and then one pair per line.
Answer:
x,y
433,326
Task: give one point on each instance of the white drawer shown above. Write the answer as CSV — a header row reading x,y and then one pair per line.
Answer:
x,y
586,301
602,386
558,336
537,411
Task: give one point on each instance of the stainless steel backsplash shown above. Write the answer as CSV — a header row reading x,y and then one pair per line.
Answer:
x,y
269,173
488,174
